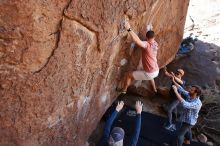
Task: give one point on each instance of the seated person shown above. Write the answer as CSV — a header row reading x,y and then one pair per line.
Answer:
x,y
116,136
174,101
191,107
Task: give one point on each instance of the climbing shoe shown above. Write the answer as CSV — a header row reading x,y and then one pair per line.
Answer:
x,y
170,127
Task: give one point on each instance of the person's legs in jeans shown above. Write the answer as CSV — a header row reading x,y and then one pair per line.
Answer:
x,y
175,112
188,137
182,132
171,108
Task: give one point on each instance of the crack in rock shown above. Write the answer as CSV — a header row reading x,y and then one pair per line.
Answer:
x,y
58,33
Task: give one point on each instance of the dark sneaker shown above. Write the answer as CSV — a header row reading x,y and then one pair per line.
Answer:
x,y
173,127
120,90
121,96
168,127
123,92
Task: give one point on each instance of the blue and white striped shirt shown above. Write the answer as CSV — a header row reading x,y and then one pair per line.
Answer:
x,y
191,107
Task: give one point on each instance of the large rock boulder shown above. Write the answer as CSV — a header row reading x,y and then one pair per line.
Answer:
x,y
60,62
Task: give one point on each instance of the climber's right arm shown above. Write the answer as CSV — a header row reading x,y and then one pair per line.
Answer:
x,y
134,36
136,39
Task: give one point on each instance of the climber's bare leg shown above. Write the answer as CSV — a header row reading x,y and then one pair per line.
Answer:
x,y
152,82
120,85
128,79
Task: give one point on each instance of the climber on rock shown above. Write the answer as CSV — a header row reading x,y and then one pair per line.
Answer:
x,y
148,67
191,107
116,136
177,76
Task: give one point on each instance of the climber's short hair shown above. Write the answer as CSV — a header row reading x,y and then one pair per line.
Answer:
x,y
198,90
150,34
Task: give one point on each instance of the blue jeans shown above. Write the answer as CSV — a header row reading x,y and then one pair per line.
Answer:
x,y
171,107
184,132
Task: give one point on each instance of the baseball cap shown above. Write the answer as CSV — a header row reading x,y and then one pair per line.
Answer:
x,y
117,134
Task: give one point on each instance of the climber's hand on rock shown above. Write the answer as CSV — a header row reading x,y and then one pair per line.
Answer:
x,y
127,25
119,106
138,107
172,74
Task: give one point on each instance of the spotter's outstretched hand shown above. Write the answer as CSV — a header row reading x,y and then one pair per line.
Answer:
x,y
139,106
119,106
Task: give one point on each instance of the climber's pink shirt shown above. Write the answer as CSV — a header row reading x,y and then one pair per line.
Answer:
x,y
149,56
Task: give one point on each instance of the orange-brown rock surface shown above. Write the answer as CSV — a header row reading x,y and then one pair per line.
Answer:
x,y
60,60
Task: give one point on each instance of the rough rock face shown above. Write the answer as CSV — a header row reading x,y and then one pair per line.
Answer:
x,y
60,61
